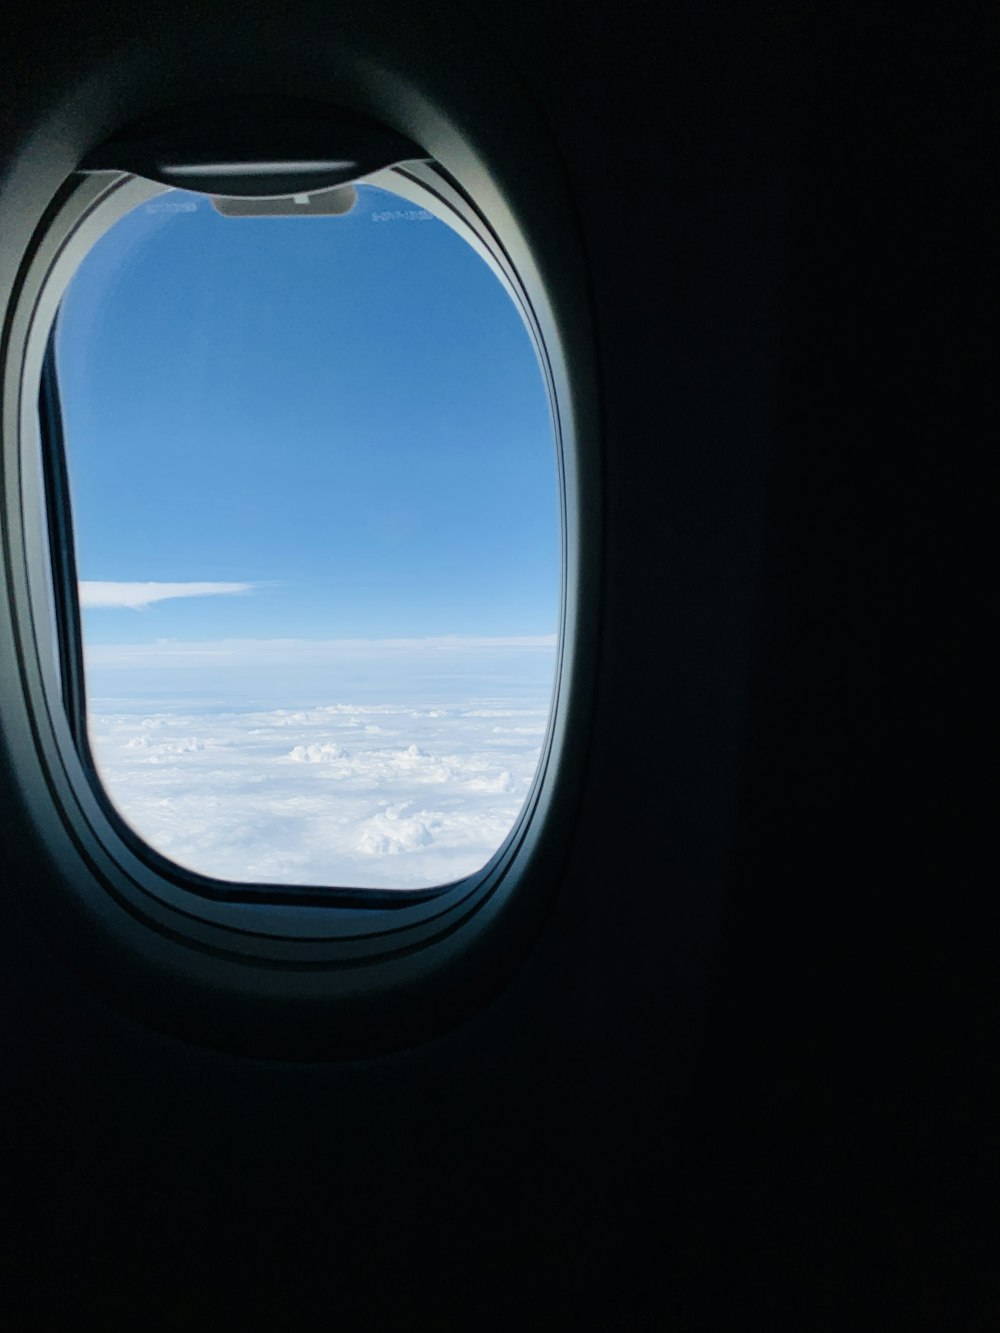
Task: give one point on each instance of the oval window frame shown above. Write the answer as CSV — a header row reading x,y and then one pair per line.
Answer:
x,y
348,963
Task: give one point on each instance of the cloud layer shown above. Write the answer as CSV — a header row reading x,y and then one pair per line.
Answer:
x,y
387,795
167,653
139,595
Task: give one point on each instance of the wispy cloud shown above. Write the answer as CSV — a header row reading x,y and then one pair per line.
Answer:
x,y
139,595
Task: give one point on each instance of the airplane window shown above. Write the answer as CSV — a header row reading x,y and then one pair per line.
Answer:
x,y
314,496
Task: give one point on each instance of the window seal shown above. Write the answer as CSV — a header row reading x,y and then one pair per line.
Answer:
x,y
69,646
436,903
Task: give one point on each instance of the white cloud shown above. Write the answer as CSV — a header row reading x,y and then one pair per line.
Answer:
x,y
501,784
316,753
139,595
308,795
392,832
172,652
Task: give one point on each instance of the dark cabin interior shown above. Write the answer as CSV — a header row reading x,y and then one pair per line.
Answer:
x,y
742,1074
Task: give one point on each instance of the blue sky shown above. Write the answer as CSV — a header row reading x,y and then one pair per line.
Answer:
x,y
344,413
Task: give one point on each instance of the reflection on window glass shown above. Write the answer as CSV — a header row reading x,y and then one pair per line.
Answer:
x,y
314,497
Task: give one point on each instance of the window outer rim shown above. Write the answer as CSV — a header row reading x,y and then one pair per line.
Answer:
x,y
394,949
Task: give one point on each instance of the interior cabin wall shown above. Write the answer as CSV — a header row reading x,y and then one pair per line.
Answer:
x,y
744,1063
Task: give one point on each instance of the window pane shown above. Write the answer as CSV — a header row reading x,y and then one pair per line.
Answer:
x,y
315,506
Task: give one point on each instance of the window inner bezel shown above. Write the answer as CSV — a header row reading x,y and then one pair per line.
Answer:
x,y
263,921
